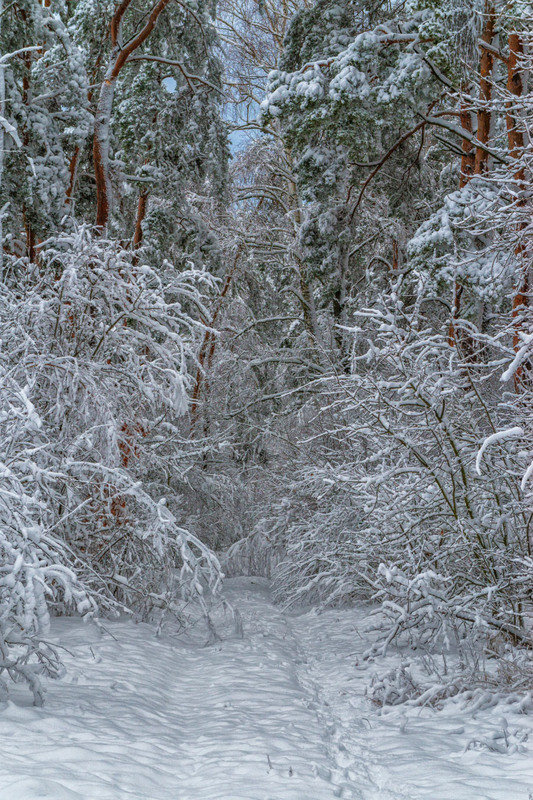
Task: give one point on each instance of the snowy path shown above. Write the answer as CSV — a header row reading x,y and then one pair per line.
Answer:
x,y
407,752
279,714
145,719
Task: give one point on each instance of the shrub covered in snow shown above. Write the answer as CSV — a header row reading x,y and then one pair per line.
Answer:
x,y
36,571
95,348
396,511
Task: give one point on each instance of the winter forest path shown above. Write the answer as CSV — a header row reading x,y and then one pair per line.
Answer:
x,y
141,718
275,714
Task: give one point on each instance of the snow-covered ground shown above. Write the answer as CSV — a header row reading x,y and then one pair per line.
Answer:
x,y
276,714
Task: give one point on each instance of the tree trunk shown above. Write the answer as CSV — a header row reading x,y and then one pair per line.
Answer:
x,y
101,146
486,66
515,139
306,294
119,57
73,172
3,207
142,205
476,162
468,160
207,348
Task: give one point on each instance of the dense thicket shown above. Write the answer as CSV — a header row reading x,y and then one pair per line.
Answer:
x,y
397,169
315,352
114,161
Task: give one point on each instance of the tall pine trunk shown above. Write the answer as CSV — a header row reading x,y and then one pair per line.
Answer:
x,y
119,58
515,139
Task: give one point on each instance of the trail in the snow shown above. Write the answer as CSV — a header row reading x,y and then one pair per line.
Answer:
x,y
356,773
406,752
276,714
141,718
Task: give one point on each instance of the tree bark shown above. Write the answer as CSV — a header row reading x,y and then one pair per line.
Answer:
x,y
468,160
476,162
2,144
486,66
207,348
142,205
101,148
306,294
119,57
515,139
73,172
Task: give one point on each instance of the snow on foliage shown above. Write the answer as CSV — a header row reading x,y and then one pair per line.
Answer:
x,y
397,510
36,566
500,436
351,76
95,352
453,244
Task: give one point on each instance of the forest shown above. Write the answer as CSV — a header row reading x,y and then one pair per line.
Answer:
x,y
265,275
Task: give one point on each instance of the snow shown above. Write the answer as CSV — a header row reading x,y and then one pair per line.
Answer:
x,y
407,752
520,357
495,438
276,713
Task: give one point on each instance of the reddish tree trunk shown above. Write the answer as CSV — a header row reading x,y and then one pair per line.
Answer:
x,y
101,152
142,205
119,57
468,159
515,136
515,139
73,171
475,162
207,349
486,65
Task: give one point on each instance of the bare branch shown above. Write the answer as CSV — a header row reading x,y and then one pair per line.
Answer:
x,y
172,63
